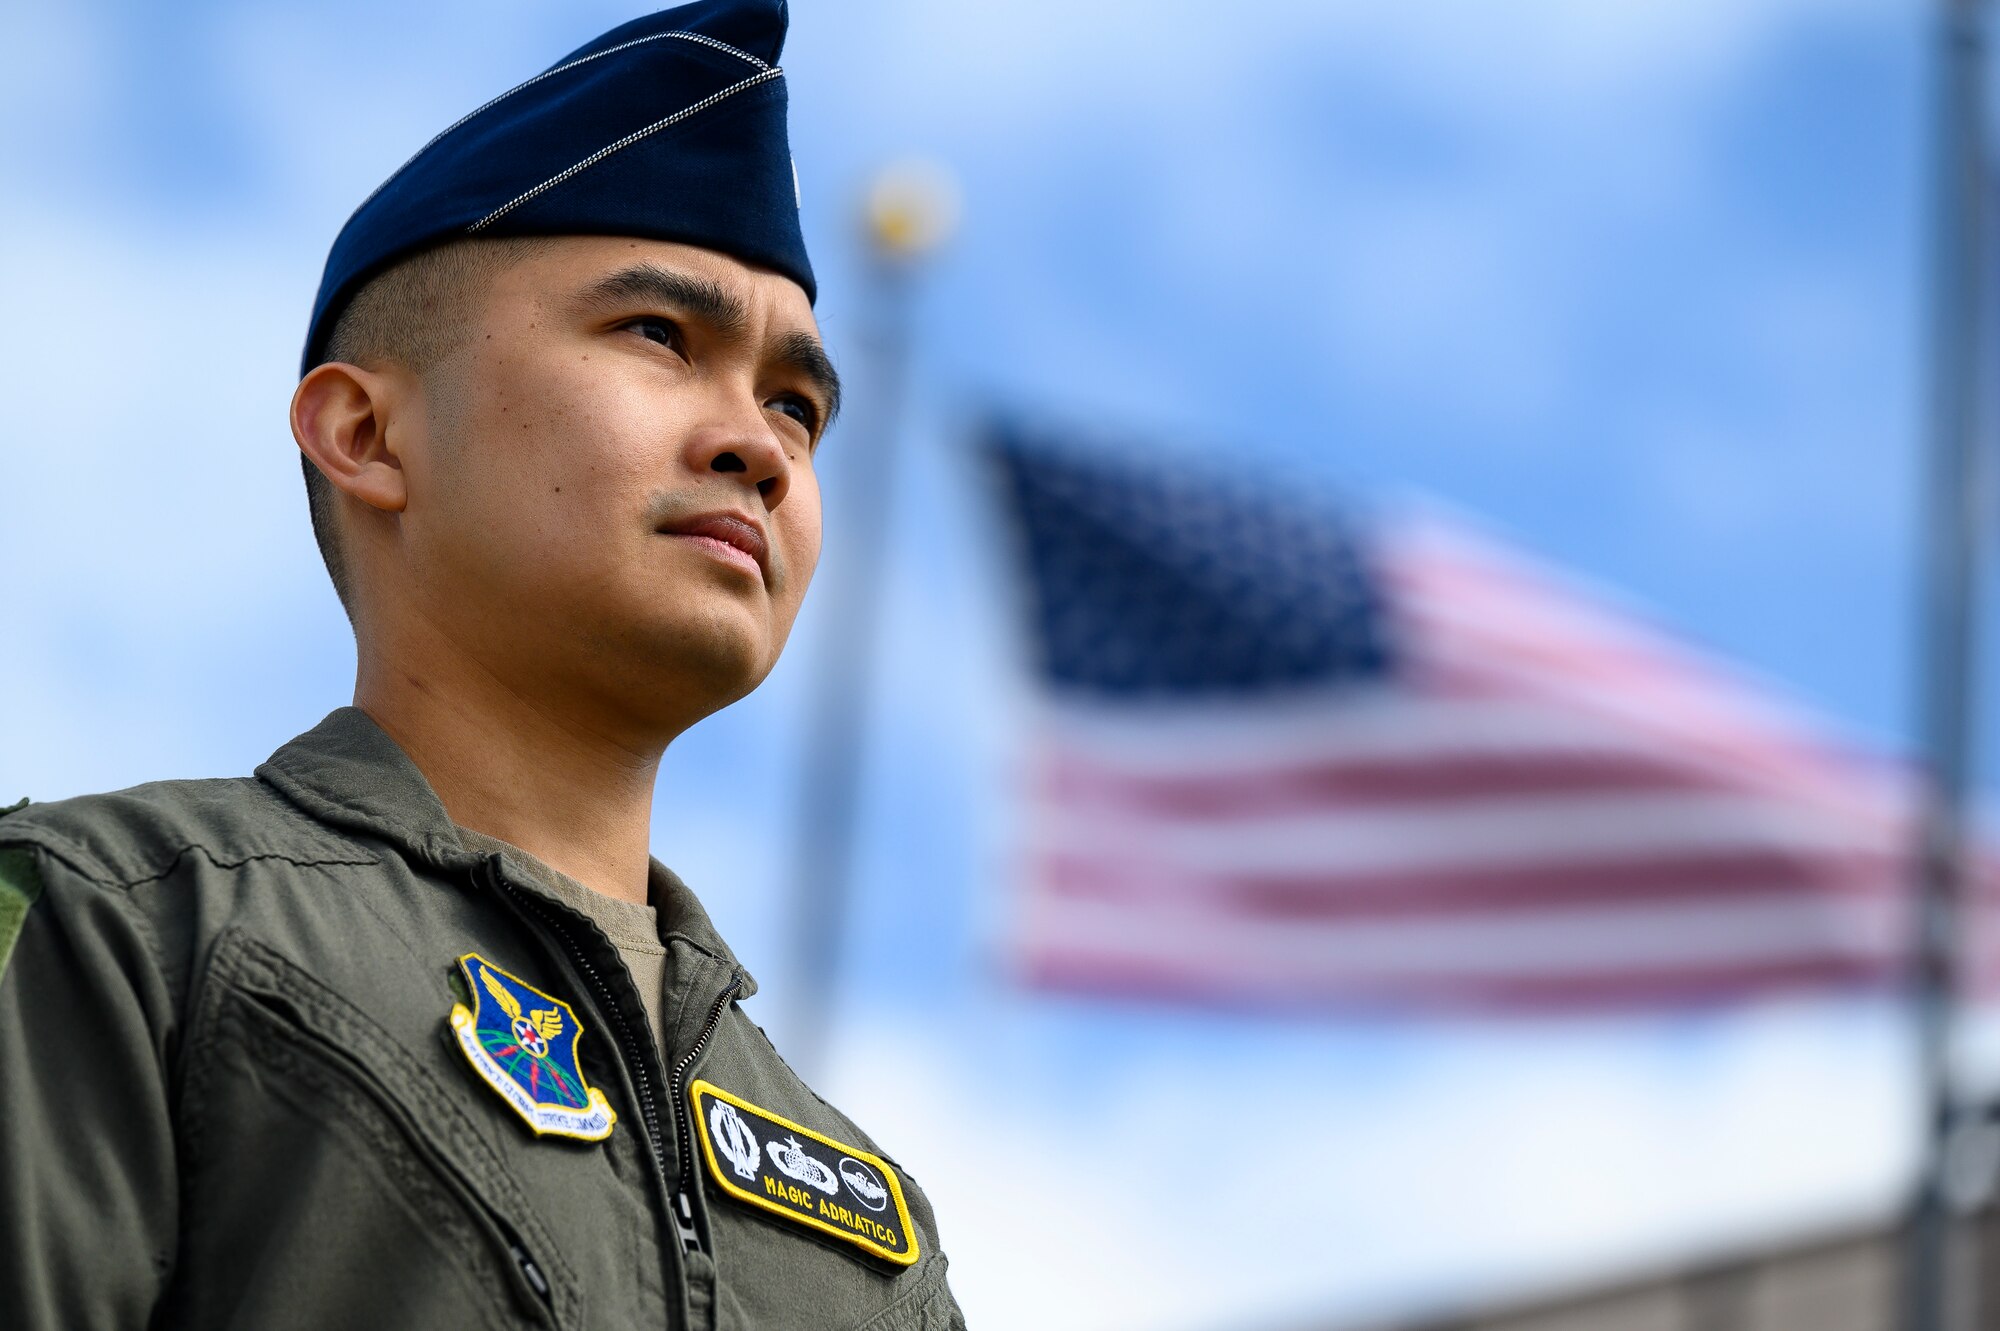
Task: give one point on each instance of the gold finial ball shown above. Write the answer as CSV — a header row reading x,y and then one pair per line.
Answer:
x,y
911,209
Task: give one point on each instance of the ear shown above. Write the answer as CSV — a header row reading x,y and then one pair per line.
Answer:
x,y
340,418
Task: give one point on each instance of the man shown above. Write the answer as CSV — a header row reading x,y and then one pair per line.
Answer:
x,y
409,1029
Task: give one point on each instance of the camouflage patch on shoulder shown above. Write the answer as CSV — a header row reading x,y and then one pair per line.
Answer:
x,y
20,888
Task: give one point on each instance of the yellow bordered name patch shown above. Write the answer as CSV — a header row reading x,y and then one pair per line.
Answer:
x,y
768,1161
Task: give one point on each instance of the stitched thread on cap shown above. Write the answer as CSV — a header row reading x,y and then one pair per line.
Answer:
x,y
769,73
698,38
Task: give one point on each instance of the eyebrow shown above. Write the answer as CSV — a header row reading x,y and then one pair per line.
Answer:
x,y
698,296
802,353
723,311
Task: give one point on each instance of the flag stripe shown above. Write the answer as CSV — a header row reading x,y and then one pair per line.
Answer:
x,y
1181,980
1604,938
1486,716
1473,887
1504,830
1388,780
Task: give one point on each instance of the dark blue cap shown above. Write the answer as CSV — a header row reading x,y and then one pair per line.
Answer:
x,y
670,127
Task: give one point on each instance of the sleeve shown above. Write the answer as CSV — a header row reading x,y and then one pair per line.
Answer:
x,y
87,1177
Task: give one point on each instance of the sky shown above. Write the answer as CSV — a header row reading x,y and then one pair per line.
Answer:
x,y
1639,288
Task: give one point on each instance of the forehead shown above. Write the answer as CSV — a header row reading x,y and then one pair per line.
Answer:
x,y
562,268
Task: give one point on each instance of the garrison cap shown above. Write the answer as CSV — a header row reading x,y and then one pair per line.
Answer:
x,y
670,127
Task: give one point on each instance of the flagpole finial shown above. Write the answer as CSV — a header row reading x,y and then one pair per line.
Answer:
x,y
911,208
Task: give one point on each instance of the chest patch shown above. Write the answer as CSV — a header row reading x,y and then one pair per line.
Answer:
x,y
522,1043
769,1161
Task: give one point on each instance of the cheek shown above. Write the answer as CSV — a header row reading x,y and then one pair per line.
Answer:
x,y
799,519
575,440
543,487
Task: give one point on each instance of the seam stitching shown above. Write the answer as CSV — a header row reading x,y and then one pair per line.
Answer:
x,y
699,38
632,138
421,1094
76,858
79,860
222,863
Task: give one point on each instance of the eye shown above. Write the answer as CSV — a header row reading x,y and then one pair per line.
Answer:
x,y
799,409
664,331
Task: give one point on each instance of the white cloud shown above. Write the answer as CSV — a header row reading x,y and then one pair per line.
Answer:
x,y
1351,1174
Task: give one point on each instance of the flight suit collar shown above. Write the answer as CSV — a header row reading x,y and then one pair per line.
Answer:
x,y
349,773
681,915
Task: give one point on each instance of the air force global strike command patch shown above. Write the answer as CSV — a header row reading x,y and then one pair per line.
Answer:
x,y
522,1043
789,1170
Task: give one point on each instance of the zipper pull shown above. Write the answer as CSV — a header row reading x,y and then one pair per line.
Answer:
x,y
684,1217
536,1279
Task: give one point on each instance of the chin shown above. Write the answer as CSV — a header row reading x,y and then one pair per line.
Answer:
x,y
713,662
682,660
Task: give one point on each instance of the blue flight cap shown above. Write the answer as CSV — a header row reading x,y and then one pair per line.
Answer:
x,y
670,127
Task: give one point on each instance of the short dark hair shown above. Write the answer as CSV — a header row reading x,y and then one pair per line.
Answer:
x,y
413,314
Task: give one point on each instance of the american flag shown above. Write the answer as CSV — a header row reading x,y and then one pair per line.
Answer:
x,y
1283,754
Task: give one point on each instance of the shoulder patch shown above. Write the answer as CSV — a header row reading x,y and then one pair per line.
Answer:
x,y
522,1043
20,887
770,1162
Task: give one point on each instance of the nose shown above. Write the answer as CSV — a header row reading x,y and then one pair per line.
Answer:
x,y
745,446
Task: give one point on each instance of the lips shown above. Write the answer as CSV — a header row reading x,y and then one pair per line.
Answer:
x,y
729,528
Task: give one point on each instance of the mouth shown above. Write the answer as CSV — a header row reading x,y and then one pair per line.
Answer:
x,y
730,536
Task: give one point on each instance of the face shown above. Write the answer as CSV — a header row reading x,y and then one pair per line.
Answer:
x,y
614,491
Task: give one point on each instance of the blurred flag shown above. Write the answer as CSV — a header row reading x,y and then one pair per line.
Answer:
x,y
1287,756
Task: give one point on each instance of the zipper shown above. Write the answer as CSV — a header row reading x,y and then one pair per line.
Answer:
x,y
447,1172
683,1207
635,1063
635,1056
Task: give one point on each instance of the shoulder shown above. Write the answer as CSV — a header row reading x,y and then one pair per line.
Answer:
x,y
122,895
124,838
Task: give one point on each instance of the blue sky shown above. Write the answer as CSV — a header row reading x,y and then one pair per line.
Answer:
x,y
1640,286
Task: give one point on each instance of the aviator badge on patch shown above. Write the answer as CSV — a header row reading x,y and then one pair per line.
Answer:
x,y
522,1043
790,1170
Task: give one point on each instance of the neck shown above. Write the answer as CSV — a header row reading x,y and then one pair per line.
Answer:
x,y
518,769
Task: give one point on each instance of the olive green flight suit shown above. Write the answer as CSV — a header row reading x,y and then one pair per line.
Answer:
x,y
230,1096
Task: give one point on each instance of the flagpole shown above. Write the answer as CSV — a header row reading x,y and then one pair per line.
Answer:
x,y
910,208
1935,1287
